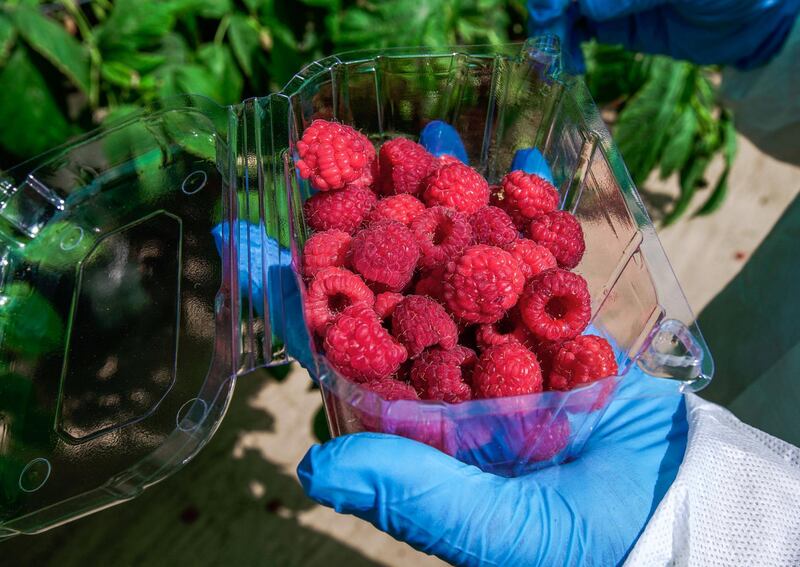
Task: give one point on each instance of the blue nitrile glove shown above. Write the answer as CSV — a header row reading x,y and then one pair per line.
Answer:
x,y
284,299
531,160
743,33
439,138
586,512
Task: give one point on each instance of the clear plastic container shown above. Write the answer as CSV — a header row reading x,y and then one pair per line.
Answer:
x,y
140,275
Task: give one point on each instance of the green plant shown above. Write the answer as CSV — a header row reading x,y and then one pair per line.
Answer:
x,y
668,119
66,67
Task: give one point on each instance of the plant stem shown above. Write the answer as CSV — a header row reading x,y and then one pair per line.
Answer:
x,y
95,57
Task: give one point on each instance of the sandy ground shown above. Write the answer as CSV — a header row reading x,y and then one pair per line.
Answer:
x,y
239,502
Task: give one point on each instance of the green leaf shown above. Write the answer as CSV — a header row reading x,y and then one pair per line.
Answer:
x,y
137,60
717,195
196,79
119,74
219,61
30,325
322,3
7,36
678,147
691,175
135,24
53,43
212,9
645,120
243,33
31,120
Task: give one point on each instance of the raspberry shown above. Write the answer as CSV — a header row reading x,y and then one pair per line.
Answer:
x,y
370,174
493,226
457,186
358,346
509,329
446,159
506,370
546,351
390,389
327,249
533,258
441,233
561,233
331,291
333,155
526,196
343,210
404,165
555,305
542,434
401,208
482,284
431,283
386,302
385,254
419,322
444,374
582,360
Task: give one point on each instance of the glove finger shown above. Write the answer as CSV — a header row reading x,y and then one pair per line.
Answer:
x,y
531,160
420,496
440,138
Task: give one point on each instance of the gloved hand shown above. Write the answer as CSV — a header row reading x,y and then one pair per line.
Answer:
x,y
743,33
284,302
587,512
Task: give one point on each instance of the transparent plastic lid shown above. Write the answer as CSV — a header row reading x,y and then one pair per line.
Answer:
x,y
120,335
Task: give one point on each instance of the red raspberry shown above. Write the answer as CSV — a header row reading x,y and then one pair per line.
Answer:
x,y
545,434
401,208
370,174
386,302
343,210
457,186
326,249
390,389
555,305
360,348
482,284
444,374
333,155
546,351
509,329
441,233
526,196
446,159
331,291
506,370
419,322
385,254
533,258
404,165
561,233
493,226
582,360
431,283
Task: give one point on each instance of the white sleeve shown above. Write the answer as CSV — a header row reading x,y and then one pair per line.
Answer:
x,y
735,500
766,101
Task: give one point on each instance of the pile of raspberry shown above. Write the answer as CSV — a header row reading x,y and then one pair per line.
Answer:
x,y
425,282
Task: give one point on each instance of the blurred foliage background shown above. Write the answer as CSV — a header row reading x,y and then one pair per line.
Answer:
x,y
66,67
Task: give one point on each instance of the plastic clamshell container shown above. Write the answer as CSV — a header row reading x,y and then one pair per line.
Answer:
x,y
146,266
